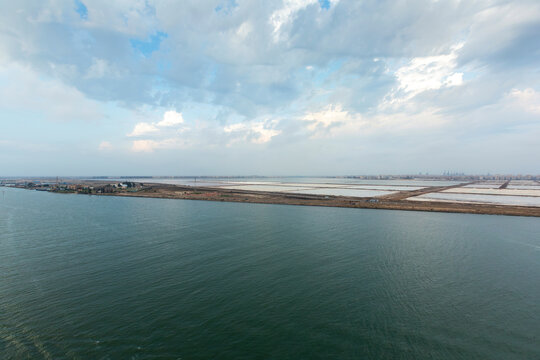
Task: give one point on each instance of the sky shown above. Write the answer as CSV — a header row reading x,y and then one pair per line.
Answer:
x,y
292,87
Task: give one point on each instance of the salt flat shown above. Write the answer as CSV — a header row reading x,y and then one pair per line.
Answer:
x,y
344,192
354,186
387,187
226,182
484,185
479,199
270,188
322,190
402,182
516,192
524,187
319,185
524,182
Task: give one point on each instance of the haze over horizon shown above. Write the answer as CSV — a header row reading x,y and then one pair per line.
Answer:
x,y
293,87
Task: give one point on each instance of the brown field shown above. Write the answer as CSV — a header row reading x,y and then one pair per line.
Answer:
x,y
395,201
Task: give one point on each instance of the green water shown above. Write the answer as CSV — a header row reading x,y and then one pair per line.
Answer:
x,y
88,277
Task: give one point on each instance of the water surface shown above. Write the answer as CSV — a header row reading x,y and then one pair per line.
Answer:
x,y
93,277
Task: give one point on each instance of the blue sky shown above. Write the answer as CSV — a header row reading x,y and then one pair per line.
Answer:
x,y
293,87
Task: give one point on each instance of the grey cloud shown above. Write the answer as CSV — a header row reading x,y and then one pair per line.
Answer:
x,y
504,36
229,58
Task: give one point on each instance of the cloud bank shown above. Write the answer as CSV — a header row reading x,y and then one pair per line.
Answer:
x,y
302,86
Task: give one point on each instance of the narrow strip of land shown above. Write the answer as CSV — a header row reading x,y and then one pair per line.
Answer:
x,y
394,201
390,202
505,185
402,195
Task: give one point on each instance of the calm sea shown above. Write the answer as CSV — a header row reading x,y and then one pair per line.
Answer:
x,y
89,277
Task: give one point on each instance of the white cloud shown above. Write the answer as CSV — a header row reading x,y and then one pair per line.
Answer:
x,y
105,146
100,69
128,17
504,33
286,14
329,116
151,145
527,99
255,132
171,118
334,121
319,57
244,30
23,89
160,133
144,145
428,73
143,128
206,134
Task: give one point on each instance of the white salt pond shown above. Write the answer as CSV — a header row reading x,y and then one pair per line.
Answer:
x,y
484,186
345,186
344,192
397,182
479,199
313,191
524,187
269,188
335,182
514,184
294,181
323,189
317,185
400,182
226,182
517,192
387,187
524,182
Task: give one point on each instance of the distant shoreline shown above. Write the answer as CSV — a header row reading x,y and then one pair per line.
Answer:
x,y
391,202
397,201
